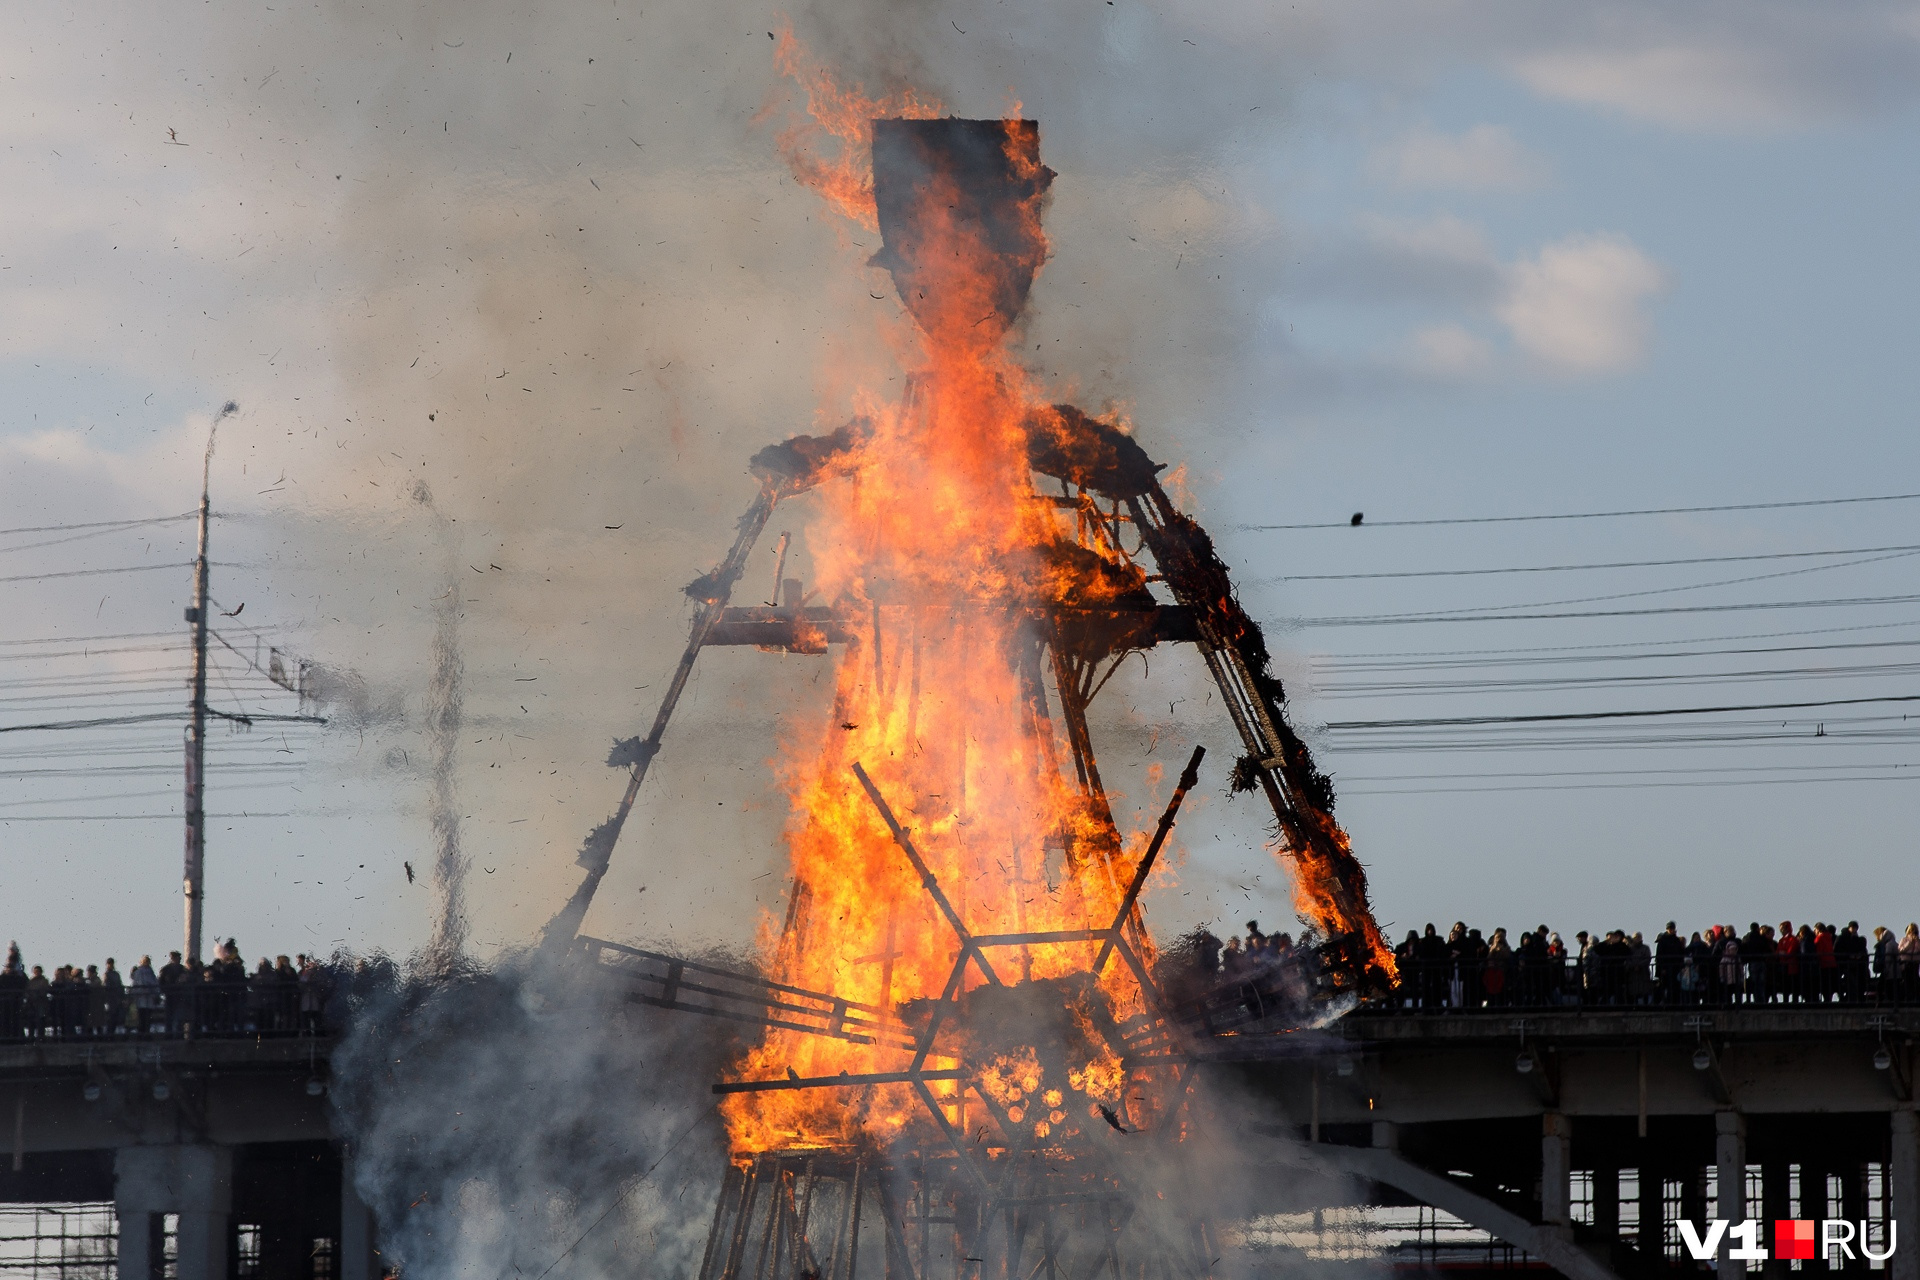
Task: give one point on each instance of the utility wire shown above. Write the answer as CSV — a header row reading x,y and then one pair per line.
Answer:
x,y
94,573
1360,666
1377,688
1558,716
1622,644
117,635
1616,773
127,795
1589,515
136,817
1564,568
1665,591
1397,619
1634,786
156,717
99,524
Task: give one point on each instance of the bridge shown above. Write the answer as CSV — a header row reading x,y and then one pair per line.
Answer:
x,y
214,1152
1563,1138
1582,1137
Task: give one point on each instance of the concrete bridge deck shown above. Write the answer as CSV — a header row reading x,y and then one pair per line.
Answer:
x,y
1497,1117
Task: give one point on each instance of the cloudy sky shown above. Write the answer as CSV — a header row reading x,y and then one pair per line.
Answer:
x,y
507,298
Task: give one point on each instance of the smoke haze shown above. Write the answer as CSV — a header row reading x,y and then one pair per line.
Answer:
x,y
556,270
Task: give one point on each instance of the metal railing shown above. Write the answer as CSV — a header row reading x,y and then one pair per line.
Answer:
x,y
184,1010
1459,984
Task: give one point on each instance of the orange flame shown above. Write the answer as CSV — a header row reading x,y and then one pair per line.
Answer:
x,y
940,551
845,115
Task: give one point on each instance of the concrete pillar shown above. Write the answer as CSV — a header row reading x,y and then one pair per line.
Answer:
x,y
142,1244
203,1245
1606,1201
1730,1173
1903,1187
358,1258
195,1182
1776,1202
1556,1170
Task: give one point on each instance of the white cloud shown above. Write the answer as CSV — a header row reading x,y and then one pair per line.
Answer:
x,y
1485,157
1577,306
1689,85
1451,351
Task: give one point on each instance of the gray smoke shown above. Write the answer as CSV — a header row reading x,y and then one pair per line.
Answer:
x,y
524,1118
444,728
577,288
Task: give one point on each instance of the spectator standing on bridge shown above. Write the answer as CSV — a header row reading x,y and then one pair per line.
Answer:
x,y
1431,953
1696,969
1909,960
311,976
1557,971
1640,971
1886,961
1823,940
1850,954
197,987
146,995
173,997
286,995
1756,953
1406,967
1231,963
1787,967
260,992
1530,967
69,1001
94,1012
39,1001
112,1000
13,995
1804,984
1730,968
1497,974
1669,954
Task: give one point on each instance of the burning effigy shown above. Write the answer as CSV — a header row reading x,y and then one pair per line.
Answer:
x,y
971,1040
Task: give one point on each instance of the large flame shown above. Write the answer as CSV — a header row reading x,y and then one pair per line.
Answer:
x,y
941,554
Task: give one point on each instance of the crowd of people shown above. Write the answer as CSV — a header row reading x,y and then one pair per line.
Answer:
x,y
1811,965
280,996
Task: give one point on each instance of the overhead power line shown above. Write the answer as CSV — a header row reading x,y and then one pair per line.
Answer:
x,y
1561,716
1436,662
99,524
1588,515
94,573
1632,786
1664,591
1620,644
1400,619
105,721
1613,564
132,817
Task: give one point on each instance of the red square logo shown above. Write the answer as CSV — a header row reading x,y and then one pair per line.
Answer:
x,y
1793,1239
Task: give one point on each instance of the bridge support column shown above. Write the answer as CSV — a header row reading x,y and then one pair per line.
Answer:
x,y
358,1258
1730,1175
195,1182
1776,1202
142,1244
1903,1186
1556,1170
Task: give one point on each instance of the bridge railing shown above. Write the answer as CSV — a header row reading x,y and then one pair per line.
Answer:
x,y
182,1011
1463,984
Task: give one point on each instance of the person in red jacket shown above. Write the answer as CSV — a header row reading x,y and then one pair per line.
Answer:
x,y
1829,966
